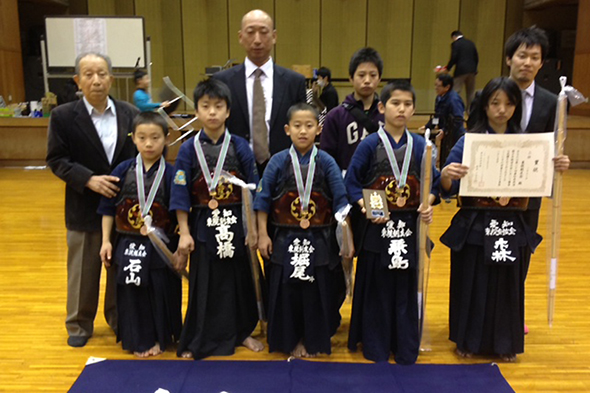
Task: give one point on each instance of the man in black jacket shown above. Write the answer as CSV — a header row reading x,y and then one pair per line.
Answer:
x,y
86,140
464,58
525,52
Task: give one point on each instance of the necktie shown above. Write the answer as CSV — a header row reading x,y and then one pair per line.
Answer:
x,y
259,129
525,112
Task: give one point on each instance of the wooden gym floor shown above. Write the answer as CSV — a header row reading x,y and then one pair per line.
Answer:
x,y
34,355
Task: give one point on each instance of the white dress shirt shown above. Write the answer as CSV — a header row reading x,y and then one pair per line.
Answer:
x,y
266,79
106,126
528,96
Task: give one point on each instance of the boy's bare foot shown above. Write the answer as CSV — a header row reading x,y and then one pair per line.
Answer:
x,y
463,354
186,355
300,351
510,357
252,344
153,351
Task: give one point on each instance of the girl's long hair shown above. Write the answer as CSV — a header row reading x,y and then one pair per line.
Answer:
x,y
514,94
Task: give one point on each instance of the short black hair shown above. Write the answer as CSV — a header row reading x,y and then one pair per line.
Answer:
x,y
365,55
325,73
397,84
513,93
529,36
150,118
456,33
302,106
214,88
138,74
446,79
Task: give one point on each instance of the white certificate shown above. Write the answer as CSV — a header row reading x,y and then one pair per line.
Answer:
x,y
508,165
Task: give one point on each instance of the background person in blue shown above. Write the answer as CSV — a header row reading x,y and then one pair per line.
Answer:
x,y
148,293
448,109
221,311
303,263
385,302
488,238
141,97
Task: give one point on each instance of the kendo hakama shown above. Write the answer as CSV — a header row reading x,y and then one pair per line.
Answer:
x,y
489,240
222,309
304,274
488,245
384,315
149,294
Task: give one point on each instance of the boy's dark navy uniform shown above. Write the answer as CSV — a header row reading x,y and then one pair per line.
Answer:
x,y
385,305
222,309
148,292
302,303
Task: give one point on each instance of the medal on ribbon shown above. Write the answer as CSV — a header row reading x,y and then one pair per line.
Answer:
x,y
402,189
212,181
146,204
304,190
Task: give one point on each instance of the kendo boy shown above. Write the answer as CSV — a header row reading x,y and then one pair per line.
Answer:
x,y
349,123
148,292
385,305
299,193
221,311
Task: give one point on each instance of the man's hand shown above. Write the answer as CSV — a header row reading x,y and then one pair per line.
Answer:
x,y
316,88
562,163
104,185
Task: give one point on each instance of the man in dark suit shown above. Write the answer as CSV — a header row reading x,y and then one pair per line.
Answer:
x,y
87,139
525,52
464,58
281,88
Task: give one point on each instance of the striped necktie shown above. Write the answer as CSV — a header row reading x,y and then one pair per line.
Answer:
x,y
259,128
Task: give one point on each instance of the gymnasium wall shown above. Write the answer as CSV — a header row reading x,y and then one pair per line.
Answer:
x,y
412,36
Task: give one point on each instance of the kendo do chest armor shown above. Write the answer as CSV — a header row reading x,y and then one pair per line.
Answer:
x,y
226,193
128,218
286,206
383,179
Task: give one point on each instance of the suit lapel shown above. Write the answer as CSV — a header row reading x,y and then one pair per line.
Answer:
x,y
536,110
86,127
277,99
240,89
